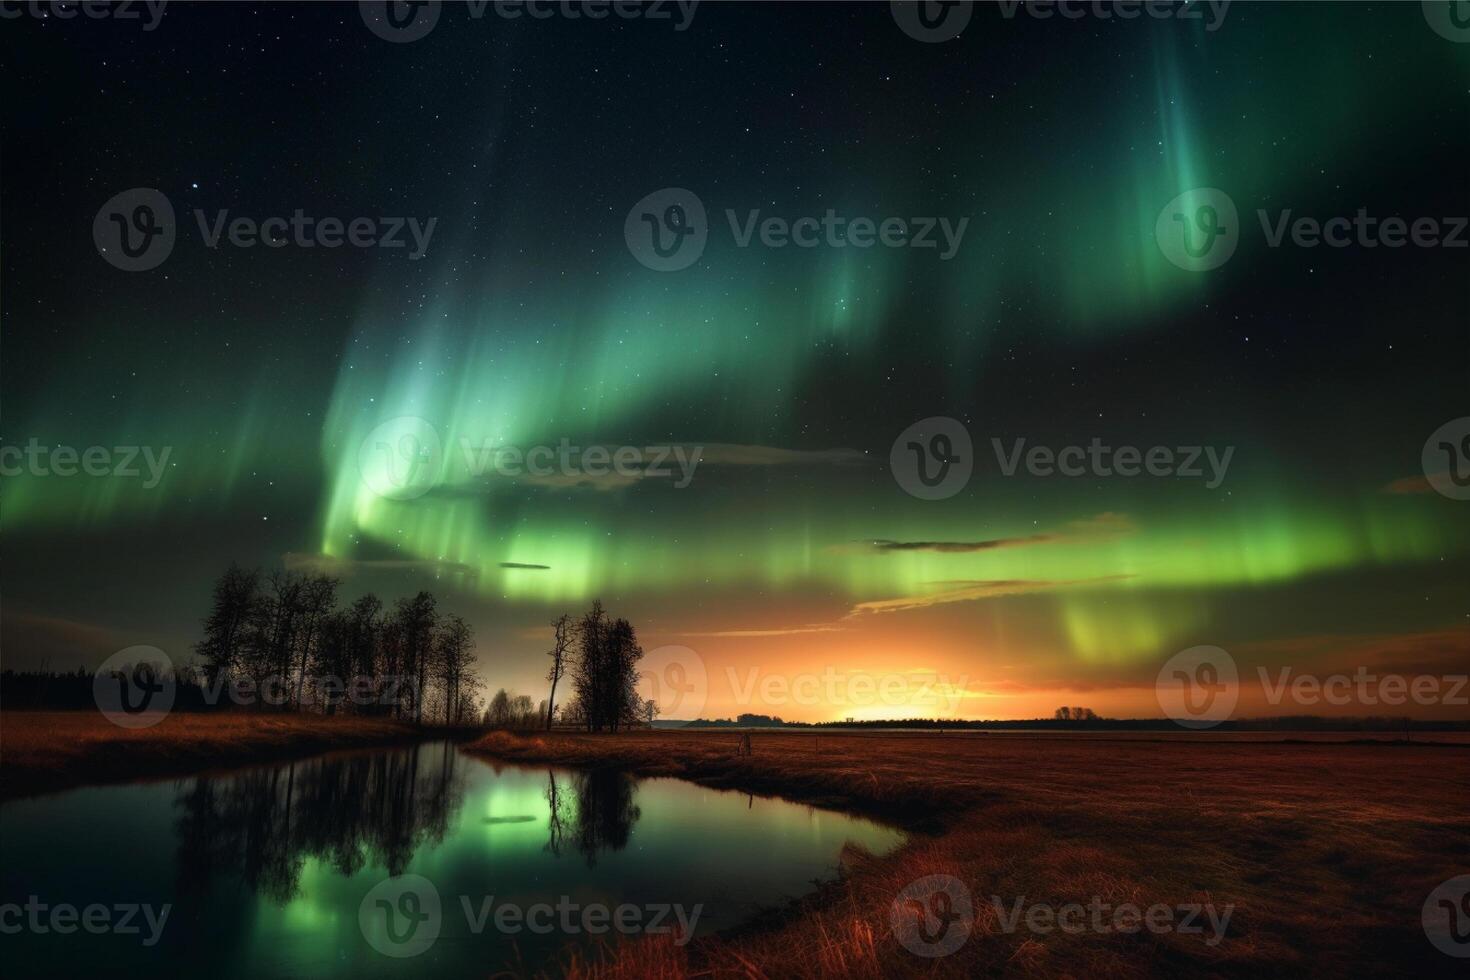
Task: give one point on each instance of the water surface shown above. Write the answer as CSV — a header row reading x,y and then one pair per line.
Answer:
x,y
267,871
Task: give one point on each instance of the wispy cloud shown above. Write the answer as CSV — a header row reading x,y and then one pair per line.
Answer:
x,y
677,460
734,454
333,565
777,631
1101,527
1409,485
971,591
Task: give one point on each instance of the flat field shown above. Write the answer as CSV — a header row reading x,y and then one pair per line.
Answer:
x,y
1321,852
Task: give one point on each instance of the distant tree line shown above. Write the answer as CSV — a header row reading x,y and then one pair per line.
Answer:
x,y
507,710
283,638
744,721
1284,723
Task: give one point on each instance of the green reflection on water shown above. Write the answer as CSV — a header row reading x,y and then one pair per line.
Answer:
x,y
266,869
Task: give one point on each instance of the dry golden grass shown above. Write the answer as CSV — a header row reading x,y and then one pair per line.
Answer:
x,y
41,751
1326,851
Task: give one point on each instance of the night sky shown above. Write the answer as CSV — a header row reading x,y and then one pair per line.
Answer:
x,y
528,320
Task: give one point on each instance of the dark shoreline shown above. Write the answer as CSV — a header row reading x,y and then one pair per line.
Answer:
x,y
195,744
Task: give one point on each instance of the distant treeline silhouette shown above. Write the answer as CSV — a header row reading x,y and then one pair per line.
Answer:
x,y
284,634
1287,723
281,643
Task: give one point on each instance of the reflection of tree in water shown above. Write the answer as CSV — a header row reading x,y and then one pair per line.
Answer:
x,y
605,812
346,811
556,814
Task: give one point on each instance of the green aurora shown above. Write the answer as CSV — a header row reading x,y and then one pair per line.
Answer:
x,y
1059,321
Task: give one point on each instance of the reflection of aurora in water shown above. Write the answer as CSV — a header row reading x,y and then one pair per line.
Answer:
x,y
266,867
345,814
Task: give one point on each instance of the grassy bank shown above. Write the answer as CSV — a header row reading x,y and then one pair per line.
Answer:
x,y
1323,852
45,751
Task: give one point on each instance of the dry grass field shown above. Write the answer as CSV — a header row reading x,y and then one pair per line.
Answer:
x,y
1324,853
